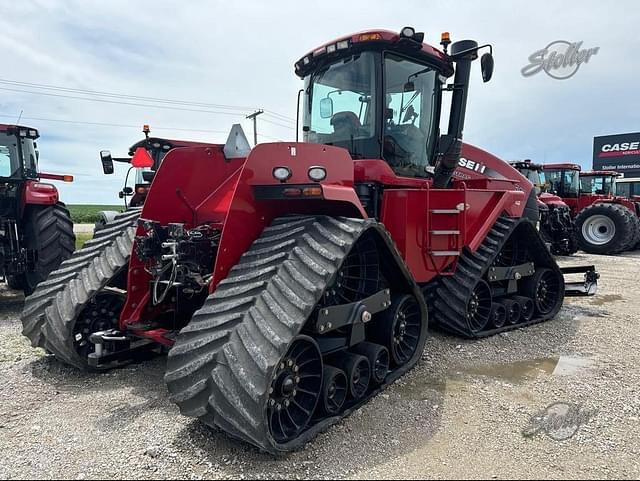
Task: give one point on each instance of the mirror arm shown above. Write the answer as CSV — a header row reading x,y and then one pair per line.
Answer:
x,y
474,49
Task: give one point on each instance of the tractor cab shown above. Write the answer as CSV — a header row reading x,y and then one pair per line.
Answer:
x,y
534,173
628,187
601,183
18,153
563,180
378,94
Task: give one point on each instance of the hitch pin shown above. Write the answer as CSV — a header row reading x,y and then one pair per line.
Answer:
x,y
168,257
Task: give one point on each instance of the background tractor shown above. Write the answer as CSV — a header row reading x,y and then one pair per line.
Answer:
x,y
36,231
292,283
605,223
556,223
145,158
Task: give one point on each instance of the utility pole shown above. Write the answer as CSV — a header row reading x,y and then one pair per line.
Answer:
x,y
255,128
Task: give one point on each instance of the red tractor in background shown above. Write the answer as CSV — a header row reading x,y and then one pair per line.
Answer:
x,y
293,284
557,226
605,223
36,231
145,158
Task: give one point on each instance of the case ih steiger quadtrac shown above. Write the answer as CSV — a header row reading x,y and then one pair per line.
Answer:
x,y
605,223
36,232
556,224
293,283
145,158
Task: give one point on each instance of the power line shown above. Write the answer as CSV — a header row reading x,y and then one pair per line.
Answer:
x,y
121,96
280,125
165,107
134,97
103,124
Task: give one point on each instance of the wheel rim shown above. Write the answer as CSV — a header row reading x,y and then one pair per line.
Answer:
x,y
547,292
381,365
295,390
360,378
599,230
334,390
498,315
407,328
358,277
101,314
514,312
479,307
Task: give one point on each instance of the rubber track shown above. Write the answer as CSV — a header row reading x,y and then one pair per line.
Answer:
x,y
452,294
33,312
221,366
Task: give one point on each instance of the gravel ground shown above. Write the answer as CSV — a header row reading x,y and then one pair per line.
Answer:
x,y
461,413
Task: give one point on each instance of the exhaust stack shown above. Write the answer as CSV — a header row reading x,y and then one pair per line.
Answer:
x,y
463,52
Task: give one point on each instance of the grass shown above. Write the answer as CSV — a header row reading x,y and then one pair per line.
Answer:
x,y
82,237
86,214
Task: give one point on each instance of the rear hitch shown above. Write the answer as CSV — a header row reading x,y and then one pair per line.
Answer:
x,y
114,349
586,287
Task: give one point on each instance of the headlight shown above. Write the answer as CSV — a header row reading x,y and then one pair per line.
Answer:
x,y
282,173
317,173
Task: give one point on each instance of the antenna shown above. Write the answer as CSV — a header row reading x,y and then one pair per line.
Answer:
x,y
19,117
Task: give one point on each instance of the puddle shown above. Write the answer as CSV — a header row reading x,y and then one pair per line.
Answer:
x,y
514,372
599,300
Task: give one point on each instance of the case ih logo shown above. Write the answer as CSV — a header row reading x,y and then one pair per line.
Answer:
x,y
618,152
559,60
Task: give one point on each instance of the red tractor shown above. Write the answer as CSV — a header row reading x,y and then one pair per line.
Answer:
x,y
556,223
605,223
145,158
292,285
36,231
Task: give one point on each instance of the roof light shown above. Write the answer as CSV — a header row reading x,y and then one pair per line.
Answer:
x,y
365,37
445,37
33,133
23,133
331,48
408,32
320,51
282,173
306,60
67,178
343,44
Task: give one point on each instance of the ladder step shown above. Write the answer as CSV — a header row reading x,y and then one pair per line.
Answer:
x,y
445,232
445,253
445,211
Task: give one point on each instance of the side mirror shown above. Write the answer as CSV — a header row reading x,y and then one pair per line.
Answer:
x,y
107,162
127,191
409,87
148,175
326,108
487,64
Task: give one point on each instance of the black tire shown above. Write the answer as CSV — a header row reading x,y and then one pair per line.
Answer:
x,y
49,231
34,308
104,218
221,367
635,243
607,229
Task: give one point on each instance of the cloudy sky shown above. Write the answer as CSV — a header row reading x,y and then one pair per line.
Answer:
x,y
232,57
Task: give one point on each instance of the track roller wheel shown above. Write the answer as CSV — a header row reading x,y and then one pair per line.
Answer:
x,y
378,357
479,307
400,329
514,311
295,389
334,390
526,307
358,371
546,289
498,316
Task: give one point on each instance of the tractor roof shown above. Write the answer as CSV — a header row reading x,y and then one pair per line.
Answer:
x,y
562,166
526,164
601,173
371,40
11,129
169,142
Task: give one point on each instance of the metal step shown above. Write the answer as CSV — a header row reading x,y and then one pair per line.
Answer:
x,y
445,211
445,253
445,232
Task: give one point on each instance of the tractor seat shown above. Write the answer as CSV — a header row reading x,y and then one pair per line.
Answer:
x,y
347,120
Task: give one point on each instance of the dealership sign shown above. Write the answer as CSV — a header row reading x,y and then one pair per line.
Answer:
x,y
618,152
